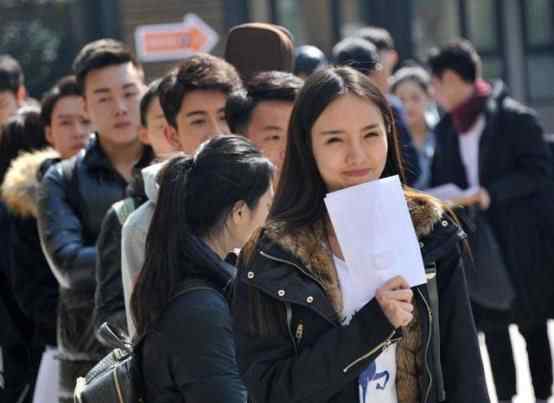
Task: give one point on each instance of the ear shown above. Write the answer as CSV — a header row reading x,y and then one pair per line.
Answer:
x,y
21,95
239,212
393,54
143,135
49,137
172,136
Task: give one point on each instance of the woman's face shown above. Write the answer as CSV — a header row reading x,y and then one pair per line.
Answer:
x,y
414,99
349,142
249,220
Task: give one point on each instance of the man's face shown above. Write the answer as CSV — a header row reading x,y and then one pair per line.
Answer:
x,y
201,116
112,99
268,130
69,130
445,90
8,105
154,133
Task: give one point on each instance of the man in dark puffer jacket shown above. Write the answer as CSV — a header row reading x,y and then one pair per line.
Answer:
x,y
75,195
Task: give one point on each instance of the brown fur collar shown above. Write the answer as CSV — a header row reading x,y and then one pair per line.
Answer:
x,y
19,190
307,244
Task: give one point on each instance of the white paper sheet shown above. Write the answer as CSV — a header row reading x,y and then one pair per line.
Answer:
x,y
450,191
375,232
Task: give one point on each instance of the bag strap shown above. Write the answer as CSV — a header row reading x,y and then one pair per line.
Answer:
x,y
124,208
433,291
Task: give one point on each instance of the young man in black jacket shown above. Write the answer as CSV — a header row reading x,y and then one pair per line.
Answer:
x,y
262,112
489,142
109,302
75,195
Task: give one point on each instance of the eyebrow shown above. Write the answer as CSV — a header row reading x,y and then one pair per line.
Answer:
x,y
193,113
340,131
103,90
271,127
66,115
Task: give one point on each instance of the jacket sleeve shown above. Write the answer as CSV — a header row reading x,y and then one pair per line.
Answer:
x,y
202,351
133,240
109,305
34,286
532,159
464,376
275,373
72,262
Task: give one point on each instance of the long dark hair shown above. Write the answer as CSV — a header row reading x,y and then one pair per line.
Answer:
x,y
196,196
299,199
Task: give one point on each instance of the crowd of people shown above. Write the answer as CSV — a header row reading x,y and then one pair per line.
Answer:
x,y
188,216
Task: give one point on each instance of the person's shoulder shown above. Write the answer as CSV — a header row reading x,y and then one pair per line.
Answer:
x,y
203,307
139,220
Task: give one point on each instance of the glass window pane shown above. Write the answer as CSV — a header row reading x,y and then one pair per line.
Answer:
x,y
540,74
290,14
482,17
435,23
539,22
354,14
492,68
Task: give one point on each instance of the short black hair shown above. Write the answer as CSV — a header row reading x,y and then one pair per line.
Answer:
x,y
308,59
199,72
23,131
379,36
357,53
265,86
65,87
11,74
459,56
151,93
99,54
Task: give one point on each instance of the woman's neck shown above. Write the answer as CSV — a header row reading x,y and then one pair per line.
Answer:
x,y
419,133
218,245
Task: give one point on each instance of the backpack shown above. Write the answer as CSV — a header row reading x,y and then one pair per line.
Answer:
x,y
117,378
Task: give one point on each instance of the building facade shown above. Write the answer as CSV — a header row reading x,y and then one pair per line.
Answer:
x,y
514,37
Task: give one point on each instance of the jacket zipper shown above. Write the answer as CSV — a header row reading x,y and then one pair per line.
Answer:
x,y
427,344
289,326
383,345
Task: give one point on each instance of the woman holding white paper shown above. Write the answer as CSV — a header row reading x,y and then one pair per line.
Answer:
x,y
303,334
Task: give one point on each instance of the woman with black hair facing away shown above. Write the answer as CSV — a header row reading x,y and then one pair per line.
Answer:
x,y
207,206
297,338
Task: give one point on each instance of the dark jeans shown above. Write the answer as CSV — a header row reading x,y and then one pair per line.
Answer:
x,y
501,356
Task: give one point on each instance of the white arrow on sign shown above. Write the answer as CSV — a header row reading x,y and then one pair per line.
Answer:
x,y
164,42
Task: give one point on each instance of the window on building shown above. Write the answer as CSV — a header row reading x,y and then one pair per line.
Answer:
x,y
482,26
435,23
539,48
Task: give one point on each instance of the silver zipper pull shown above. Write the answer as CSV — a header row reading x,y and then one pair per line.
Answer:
x,y
299,332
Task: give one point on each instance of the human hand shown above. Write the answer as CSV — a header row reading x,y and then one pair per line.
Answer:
x,y
395,299
481,197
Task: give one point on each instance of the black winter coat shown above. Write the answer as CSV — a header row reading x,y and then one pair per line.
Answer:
x,y
73,199
292,348
33,284
515,167
189,354
109,299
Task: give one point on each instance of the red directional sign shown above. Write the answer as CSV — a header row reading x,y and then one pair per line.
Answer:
x,y
162,42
